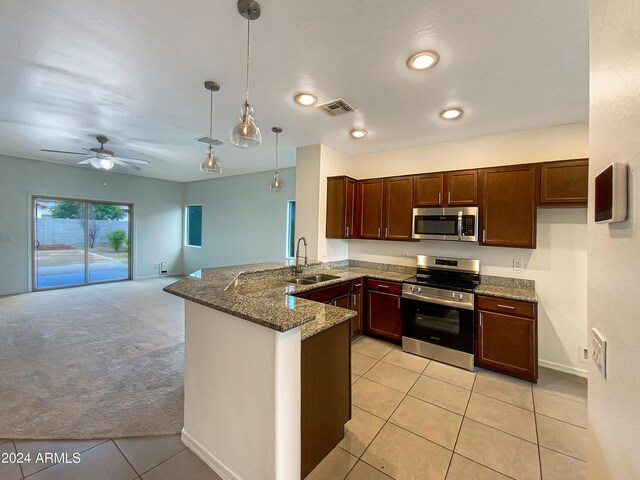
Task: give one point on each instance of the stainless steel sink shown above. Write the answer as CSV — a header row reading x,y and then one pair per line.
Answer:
x,y
301,281
321,278
312,279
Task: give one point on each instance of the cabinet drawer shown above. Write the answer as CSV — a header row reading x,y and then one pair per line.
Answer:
x,y
384,286
507,306
325,294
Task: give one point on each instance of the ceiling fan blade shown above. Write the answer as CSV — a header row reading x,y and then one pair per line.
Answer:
x,y
84,162
132,160
122,163
61,151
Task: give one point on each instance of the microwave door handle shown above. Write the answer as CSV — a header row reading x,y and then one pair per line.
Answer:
x,y
459,225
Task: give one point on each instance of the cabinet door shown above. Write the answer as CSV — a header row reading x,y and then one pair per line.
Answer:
x,y
462,188
370,194
429,190
564,183
356,306
340,207
350,208
384,317
507,344
342,302
508,211
398,208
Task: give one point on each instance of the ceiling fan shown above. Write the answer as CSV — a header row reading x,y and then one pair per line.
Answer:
x,y
103,159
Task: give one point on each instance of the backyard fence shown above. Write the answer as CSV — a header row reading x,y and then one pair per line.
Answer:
x,y
69,231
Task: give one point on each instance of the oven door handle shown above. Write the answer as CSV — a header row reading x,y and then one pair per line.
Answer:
x,y
439,301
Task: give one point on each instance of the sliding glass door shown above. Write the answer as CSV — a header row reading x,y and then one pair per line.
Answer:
x,y
79,242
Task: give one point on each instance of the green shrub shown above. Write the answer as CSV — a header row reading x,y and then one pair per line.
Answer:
x,y
116,238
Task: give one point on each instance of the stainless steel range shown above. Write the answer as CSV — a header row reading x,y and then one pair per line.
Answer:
x,y
437,310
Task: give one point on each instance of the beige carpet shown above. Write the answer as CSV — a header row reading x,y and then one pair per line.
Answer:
x,y
100,361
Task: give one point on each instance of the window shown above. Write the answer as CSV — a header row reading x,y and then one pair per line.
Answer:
x,y
291,228
194,226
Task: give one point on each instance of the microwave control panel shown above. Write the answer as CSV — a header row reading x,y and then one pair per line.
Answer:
x,y
468,225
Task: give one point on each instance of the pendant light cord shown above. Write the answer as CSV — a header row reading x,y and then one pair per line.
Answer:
x,y
211,119
248,43
277,135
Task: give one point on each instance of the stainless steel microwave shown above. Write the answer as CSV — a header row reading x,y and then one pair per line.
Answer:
x,y
459,224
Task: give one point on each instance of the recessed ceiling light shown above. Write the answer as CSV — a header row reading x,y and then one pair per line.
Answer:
x,y
358,133
451,113
306,99
422,60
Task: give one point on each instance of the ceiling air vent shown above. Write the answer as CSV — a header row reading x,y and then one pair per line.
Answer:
x,y
335,108
205,139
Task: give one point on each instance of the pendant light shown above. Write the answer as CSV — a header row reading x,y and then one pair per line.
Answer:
x,y
277,185
211,164
246,133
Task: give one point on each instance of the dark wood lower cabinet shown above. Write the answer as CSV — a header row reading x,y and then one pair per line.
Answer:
x,y
508,342
325,392
356,306
384,317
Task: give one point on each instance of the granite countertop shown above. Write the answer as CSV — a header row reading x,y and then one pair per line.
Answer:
x,y
515,288
260,293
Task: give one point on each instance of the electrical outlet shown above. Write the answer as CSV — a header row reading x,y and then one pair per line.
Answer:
x,y
517,264
405,254
599,351
156,265
583,354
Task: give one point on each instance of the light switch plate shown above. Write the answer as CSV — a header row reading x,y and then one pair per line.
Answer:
x,y
599,351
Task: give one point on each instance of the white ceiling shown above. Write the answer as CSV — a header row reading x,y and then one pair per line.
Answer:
x,y
134,71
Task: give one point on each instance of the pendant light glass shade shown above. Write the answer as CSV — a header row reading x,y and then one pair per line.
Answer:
x,y
277,185
211,164
246,133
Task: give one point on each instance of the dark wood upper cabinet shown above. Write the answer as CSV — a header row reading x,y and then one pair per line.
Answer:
x,y
429,189
461,188
398,202
564,183
370,194
340,207
508,206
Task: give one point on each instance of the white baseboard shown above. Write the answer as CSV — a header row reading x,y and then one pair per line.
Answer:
x,y
156,275
563,368
207,457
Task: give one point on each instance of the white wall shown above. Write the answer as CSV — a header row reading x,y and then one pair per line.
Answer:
x,y
157,213
242,220
313,165
614,250
242,396
558,264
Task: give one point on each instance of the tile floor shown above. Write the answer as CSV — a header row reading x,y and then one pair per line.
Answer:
x,y
149,458
412,418
415,418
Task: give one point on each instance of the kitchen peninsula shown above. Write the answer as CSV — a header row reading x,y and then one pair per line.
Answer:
x,y
267,374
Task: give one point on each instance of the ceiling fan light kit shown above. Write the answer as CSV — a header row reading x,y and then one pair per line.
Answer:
x,y
103,159
246,133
